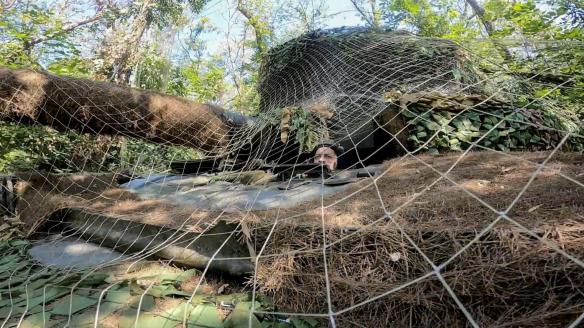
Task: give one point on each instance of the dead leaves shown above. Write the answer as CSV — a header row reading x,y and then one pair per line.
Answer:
x,y
11,228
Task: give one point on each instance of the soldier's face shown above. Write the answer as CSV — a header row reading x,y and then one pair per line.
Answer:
x,y
327,157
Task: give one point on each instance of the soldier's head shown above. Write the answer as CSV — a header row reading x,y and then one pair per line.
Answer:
x,y
327,155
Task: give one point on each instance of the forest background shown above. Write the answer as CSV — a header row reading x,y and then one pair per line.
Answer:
x,y
211,51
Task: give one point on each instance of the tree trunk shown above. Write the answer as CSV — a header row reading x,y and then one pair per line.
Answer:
x,y
488,25
72,104
122,69
256,24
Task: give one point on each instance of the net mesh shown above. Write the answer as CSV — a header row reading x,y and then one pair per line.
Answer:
x,y
457,200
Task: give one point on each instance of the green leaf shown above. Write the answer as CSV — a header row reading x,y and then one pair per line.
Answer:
x,y
37,321
34,321
120,296
148,321
432,126
457,74
502,147
177,277
311,321
433,151
36,284
87,318
15,280
275,324
166,290
10,269
65,306
205,315
240,317
179,312
93,279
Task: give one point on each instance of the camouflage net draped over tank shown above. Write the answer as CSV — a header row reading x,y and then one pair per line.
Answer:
x,y
341,85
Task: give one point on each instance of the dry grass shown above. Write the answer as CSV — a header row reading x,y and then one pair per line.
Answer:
x,y
505,278
377,231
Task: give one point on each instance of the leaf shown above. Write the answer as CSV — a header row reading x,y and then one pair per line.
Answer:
x,y
311,321
9,269
15,280
275,324
93,279
87,318
534,208
457,74
502,147
34,321
78,303
240,317
166,290
205,315
432,126
179,312
37,283
120,296
179,277
19,243
148,321
50,293
8,260
37,321
304,322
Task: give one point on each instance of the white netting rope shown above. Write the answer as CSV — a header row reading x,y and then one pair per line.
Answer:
x,y
350,78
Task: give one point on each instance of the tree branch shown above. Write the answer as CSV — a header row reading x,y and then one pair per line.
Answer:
x,y
480,13
72,104
363,14
66,29
254,22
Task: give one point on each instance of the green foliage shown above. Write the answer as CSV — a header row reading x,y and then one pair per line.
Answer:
x,y
504,129
75,66
247,99
304,128
142,156
41,148
204,80
256,12
201,80
46,296
165,12
20,29
151,72
426,18
26,148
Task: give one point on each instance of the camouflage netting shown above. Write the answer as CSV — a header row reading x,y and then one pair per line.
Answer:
x,y
373,92
487,233
348,65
